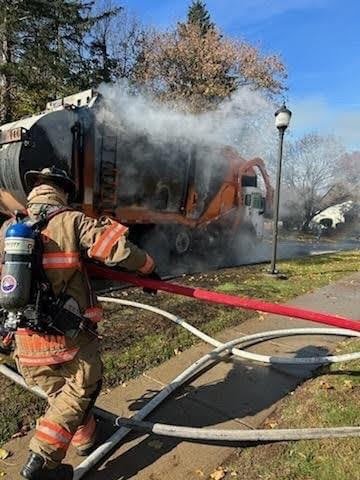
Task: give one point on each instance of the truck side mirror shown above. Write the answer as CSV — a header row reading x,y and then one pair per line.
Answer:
x,y
263,206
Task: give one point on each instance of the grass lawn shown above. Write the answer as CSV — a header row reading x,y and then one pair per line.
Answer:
x,y
332,399
134,340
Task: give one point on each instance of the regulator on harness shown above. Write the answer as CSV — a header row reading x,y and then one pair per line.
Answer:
x,y
26,296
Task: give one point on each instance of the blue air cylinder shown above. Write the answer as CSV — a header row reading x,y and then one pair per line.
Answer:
x,y
16,274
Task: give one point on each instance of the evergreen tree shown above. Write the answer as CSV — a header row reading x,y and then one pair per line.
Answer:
x,y
44,52
103,61
9,26
54,60
199,15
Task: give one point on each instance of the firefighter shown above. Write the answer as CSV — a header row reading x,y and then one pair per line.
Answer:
x,y
68,369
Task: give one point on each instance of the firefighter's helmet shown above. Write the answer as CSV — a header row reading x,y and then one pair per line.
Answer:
x,y
52,174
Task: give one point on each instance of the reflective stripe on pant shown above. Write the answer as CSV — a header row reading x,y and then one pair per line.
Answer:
x,y
85,434
72,388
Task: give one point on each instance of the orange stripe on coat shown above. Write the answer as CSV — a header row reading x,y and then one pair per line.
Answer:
x,y
54,359
148,266
61,260
103,246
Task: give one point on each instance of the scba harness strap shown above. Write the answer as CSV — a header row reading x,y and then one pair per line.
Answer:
x,y
63,315
42,294
41,285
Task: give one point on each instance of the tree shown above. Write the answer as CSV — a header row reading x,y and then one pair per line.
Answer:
x,y
53,60
103,61
44,52
44,41
200,16
349,170
10,17
311,179
115,43
195,65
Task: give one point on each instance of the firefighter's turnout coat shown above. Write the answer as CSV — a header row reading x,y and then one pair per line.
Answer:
x,y
70,370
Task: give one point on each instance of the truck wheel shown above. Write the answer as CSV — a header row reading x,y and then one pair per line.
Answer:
x,y
182,242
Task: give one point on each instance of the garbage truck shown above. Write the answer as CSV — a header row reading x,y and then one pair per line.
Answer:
x,y
175,196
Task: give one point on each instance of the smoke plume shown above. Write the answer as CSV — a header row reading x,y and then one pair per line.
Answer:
x,y
156,138
244,121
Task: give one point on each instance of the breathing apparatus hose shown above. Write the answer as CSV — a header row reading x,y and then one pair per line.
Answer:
x,y
221,352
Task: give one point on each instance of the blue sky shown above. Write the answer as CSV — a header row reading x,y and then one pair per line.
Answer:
x,y
319,41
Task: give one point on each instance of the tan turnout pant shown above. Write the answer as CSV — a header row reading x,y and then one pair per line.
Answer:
x,y
72,389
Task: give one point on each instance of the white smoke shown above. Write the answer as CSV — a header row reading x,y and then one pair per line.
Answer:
x,y
244,121
153,136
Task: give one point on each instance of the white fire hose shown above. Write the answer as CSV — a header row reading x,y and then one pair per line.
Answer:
x,y
222,351
16,378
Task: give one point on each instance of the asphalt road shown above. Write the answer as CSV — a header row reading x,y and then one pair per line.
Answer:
x,y
294,248
261,253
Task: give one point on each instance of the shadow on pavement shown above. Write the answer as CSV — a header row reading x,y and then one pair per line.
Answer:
x,y
245,391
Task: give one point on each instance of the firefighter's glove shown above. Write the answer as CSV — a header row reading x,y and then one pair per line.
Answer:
x,y
152,276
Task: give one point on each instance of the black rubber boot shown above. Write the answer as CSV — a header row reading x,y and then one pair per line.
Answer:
x,y
34,470
86,451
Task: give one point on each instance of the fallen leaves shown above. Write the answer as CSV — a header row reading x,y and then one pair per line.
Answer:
x,y
200,473
271,423
326,385
106,391
218,474
4,454
348,384
155,444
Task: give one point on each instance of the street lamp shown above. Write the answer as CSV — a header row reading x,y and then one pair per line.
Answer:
x,y
282,120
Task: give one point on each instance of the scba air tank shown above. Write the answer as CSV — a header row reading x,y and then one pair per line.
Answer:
x,y
15,286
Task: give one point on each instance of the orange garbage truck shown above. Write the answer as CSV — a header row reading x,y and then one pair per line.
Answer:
x,y
176,197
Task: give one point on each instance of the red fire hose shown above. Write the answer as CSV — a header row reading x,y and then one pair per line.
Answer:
x,y
223,299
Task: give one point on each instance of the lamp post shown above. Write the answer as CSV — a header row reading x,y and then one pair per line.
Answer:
x,y
282,120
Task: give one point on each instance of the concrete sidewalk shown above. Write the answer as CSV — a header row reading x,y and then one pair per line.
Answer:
x,y
233,394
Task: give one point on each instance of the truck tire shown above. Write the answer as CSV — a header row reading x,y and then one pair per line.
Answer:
x,y
182,241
